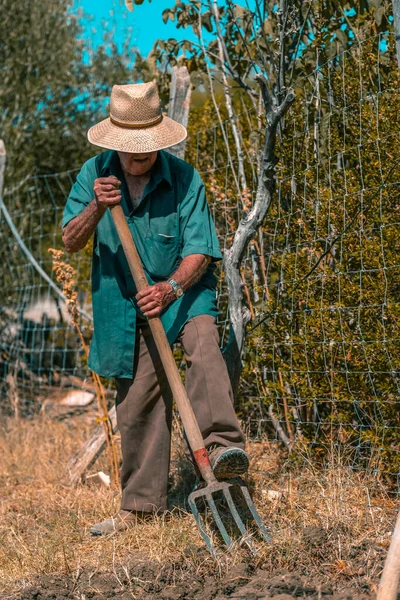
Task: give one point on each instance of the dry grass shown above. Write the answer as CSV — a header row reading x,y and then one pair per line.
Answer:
x,y
44,526
334,524
328,525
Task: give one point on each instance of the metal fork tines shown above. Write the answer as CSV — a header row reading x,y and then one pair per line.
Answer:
x,y
205,495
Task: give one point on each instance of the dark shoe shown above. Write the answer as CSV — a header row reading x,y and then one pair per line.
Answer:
x,y
122,521
228,462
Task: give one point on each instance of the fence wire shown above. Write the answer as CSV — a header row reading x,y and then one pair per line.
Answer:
x,y
321,279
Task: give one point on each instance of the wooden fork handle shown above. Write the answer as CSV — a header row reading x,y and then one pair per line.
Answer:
x,y
192,430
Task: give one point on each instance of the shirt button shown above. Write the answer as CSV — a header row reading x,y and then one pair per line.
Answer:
x,y
132,325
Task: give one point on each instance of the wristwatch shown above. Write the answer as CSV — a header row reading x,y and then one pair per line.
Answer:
x,y
178,291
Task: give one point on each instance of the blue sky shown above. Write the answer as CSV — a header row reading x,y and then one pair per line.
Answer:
x,y
145,21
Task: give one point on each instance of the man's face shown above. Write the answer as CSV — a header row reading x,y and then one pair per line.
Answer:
x,y
137,164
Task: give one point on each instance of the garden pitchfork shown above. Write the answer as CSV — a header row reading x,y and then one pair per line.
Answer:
x,y
193,434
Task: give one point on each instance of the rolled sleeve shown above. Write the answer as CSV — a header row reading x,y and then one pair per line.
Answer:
x,y
81,193
197,225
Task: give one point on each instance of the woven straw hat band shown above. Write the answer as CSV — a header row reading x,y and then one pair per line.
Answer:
x,y
137,125
135,106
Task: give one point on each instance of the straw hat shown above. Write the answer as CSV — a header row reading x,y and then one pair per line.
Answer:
x,y
136,123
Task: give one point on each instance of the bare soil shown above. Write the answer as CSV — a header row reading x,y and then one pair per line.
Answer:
x,y
330,527
145,581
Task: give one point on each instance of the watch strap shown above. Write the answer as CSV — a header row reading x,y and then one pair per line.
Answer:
x,y
176,287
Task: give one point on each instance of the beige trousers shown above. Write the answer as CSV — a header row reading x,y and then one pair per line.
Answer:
x,y
144,411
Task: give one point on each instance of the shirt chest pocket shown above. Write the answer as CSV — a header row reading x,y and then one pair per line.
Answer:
x,y
162,254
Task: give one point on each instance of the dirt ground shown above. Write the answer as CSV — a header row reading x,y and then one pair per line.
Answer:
x,y
144,581
330,528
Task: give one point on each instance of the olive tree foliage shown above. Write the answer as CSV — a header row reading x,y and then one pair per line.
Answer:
x,y
257,54
52,87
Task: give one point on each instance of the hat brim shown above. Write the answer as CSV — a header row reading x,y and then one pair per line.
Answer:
x,y
165,134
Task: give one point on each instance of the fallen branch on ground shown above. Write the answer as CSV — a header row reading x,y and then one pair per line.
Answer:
x,y
88,453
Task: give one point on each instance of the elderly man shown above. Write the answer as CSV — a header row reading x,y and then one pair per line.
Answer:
x,y
164,203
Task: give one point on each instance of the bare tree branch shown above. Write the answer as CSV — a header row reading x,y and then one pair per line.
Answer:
x,y
266,94
251,221
228,101
210,79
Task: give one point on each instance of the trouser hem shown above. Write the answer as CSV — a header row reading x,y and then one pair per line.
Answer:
x,y
145,507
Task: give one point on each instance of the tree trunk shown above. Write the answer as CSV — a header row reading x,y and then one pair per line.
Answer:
x,y
248,226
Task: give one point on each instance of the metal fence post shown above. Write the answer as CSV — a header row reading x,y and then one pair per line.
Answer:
x,y
179,104
2,165
396,26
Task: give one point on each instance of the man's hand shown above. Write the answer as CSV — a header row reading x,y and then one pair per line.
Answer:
x,y
153,299
107,192
79,230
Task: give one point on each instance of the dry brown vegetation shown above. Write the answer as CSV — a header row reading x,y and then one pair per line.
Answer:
x,y
331,526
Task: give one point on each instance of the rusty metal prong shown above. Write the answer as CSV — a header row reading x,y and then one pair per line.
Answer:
x,y
238,520
218,520
200,525
255,514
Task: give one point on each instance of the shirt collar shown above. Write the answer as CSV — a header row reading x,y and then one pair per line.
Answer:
x,y
164,167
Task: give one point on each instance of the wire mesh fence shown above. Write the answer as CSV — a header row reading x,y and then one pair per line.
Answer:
x,y
321,278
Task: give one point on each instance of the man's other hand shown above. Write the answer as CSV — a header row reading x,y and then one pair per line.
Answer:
x,y
153,299
107,192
